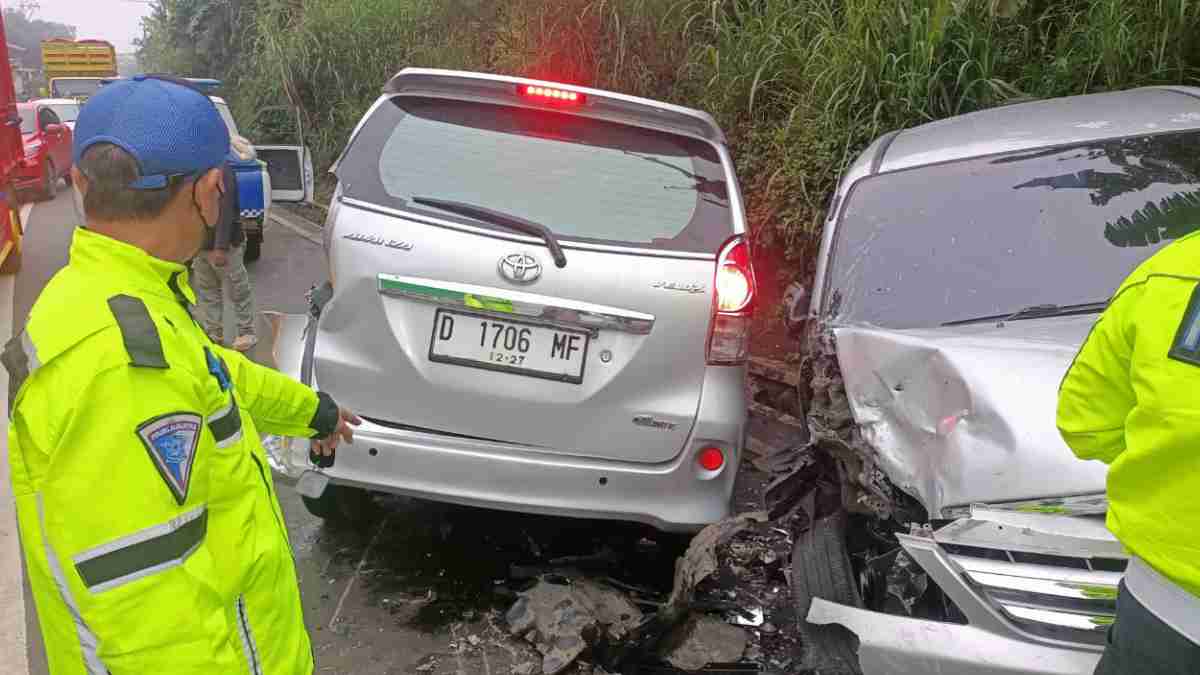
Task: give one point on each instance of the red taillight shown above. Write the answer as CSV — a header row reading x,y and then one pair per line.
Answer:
x,y
729,340
735,278
711,459
550,94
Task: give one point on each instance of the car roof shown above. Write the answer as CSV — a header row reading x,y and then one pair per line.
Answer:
x,y
56,101
1041,124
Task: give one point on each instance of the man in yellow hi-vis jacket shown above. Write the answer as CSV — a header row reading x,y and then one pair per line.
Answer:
x,y
1132,400
152,535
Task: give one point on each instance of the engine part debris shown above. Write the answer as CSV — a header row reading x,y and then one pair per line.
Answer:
x,y
702,640
906,582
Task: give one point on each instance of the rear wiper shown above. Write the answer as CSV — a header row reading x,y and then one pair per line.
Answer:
x,y
499,218
1034,311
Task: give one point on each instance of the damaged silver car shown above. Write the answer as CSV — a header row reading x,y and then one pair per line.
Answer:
x,y
942,525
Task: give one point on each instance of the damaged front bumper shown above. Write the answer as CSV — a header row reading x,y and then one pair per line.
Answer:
x,y
1038,592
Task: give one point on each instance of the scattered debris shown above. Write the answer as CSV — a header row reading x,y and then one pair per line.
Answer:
x,y
700,561
752,617
526,668
702,640
563,617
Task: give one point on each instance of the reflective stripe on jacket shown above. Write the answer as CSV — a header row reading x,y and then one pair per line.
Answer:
x,y
153,538
1132,400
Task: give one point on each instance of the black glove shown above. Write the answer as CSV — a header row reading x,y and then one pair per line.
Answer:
x,y
324,422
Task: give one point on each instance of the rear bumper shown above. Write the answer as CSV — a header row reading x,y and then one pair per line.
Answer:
x,y
27,177
676,495
668,496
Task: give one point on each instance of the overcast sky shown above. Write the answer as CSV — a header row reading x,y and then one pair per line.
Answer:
x,y
118,21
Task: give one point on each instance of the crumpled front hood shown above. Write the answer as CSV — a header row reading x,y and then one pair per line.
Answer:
x,y
966,414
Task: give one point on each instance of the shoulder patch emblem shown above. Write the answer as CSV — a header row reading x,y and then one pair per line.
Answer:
x,y
1186,347
172,440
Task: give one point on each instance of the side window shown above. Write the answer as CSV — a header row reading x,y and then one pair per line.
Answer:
x,y
46,117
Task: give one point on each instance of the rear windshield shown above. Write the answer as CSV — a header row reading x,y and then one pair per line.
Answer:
x,y
585,179
73,88
991,236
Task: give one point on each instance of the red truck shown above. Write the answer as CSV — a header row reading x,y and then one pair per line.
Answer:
x,y
12,152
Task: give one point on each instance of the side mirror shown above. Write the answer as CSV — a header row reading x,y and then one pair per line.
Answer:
x,y
54,129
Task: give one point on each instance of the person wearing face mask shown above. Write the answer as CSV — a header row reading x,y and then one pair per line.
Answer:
x,y
222,258
152,535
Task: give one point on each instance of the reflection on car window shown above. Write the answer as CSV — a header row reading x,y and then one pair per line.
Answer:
x,y
981,237
28,120
67,112
585,179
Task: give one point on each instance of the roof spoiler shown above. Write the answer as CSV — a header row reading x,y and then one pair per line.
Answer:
x,y
606,105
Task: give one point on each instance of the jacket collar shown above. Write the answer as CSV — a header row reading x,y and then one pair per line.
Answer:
x,y
130,267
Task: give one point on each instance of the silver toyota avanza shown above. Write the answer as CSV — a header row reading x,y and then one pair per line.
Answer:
x,y
539,300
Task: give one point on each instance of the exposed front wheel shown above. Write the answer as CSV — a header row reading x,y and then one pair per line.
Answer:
x,y
340,503
821,569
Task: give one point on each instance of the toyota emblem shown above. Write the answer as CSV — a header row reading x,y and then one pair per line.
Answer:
x,y
520,268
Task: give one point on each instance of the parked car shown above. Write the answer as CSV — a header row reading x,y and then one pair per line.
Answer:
x,y
942,520
47,150
559,327
67,109
277,173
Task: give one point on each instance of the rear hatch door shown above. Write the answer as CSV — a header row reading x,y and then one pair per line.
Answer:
x,y
458,324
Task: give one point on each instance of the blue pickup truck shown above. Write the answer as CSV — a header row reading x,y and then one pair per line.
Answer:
x,y
277,173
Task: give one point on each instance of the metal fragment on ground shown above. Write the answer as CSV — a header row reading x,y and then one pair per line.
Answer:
x,y
702,640
700,561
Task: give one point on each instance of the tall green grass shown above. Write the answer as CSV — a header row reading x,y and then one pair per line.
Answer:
x,y
800,85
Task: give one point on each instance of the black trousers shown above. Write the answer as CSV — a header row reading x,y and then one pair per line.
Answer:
x,y
1139,643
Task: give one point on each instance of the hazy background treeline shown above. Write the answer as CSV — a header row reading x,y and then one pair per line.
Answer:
x,y
800,85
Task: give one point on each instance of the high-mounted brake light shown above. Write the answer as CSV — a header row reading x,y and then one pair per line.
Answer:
x,y
729,337
550,94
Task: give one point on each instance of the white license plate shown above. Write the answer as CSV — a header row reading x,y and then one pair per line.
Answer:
x,y
510,346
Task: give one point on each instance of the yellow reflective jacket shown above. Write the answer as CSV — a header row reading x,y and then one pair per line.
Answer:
x,y
1132,400
152,536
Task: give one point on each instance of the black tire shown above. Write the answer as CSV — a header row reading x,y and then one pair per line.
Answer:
x,y
341,503
49,182
253,248
821,569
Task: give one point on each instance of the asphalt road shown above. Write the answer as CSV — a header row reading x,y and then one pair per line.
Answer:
x,y
412,587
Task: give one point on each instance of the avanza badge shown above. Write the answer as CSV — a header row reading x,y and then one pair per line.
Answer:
x,y
171,440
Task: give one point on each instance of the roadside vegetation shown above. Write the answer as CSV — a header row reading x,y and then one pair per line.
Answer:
x,y
800,85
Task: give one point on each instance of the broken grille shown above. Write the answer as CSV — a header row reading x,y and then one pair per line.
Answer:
x,y
1051,576
1074,602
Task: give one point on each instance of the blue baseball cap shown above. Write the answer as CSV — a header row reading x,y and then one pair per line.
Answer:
x,y
169,127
